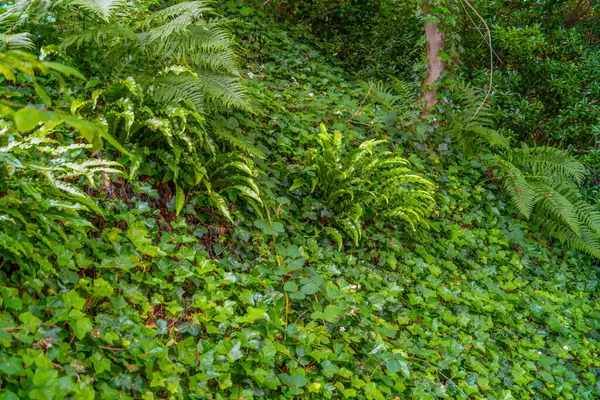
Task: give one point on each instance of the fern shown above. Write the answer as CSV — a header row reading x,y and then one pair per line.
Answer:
x,y
171,68
178,38
360,184
37,194
543,182
397,95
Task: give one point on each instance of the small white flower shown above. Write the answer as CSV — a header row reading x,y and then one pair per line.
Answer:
x,y
250,75
342,329
358,286
353,287
311,94
565,347
540,353
353,312
338,112
443,387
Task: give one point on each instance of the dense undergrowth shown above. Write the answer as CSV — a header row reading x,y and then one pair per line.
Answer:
x,y
269,286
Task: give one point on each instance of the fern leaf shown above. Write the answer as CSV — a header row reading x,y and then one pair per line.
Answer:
x,y
240,143
555,205
550,161
17,41
519,190
104,9
336,236
352,228
218,201
224,89
179,199
248,192
196,9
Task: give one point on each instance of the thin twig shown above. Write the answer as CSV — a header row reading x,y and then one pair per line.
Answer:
x,y
478,29
487,28
300,316
361,103
110,348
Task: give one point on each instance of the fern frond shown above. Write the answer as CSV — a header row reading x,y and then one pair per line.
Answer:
x,y
195,9
23,10
549,161
517,187
177,88
17,41
224,89
589,217
586,242
556,206
352,228
238,142
336,236
103,9
100,36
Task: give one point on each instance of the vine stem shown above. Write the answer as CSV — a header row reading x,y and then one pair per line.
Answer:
x,y
361,104
489,34
287,308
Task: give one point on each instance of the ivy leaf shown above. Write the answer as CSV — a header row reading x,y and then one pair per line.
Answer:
x,y
80,325
30,321
100,363
235,353
73,300
12,366
297,380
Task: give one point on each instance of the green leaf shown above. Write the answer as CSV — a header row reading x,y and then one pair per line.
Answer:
x,y
235,353
100,363
12,366
290,287
64,69
179,199
309,288
30,321
298,183
26,119
41,92
298,380
72,299
220,203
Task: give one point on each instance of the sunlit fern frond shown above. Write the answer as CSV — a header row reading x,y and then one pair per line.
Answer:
x,y
207,46
23,10
193,9
103,9
16,41
102,36
549,161
175,19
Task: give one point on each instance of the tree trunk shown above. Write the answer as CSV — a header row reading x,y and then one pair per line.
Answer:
x,y
435,43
